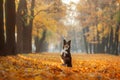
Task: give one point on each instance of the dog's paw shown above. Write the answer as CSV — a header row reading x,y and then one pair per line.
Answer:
x,y
63,64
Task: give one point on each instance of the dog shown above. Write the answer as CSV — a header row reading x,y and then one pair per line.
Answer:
x,y
66,58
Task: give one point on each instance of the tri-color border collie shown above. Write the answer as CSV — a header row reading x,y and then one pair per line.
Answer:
x,y
65,54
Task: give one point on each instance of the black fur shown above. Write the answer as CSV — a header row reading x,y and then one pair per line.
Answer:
x,y
65,54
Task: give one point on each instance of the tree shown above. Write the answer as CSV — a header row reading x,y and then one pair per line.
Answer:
x,y
21,22
46,21
10,15
2,39
27,33
116,43
24,26
41,45
99,16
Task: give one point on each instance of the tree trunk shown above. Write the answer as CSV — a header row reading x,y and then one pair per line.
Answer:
x,y
107,41
10,25
110,44
37,44
117,39
27,37
90,48
101,46
24,28
2,38
41,45
21,22
85,41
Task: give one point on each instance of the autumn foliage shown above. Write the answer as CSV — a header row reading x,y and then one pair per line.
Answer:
x,y
48,67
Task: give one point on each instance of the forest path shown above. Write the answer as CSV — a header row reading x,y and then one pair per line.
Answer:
x,y
47,66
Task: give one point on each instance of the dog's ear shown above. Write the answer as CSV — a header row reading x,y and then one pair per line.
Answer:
x,y
69,42
64,41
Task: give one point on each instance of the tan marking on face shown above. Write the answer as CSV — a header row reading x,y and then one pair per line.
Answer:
x,y
66,46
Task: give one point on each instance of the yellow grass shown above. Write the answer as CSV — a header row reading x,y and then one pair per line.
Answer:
x,y
47,66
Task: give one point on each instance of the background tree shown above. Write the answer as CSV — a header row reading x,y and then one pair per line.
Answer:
x,y
96,15
46,23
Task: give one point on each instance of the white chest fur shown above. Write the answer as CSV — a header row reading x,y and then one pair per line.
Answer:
x,y
64,52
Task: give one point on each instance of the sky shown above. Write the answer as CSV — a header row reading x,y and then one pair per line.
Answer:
x,y
69,1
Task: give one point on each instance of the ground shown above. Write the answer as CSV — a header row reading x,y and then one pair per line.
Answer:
x,y
47,66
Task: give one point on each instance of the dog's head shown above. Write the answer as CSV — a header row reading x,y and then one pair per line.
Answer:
x,y
66,45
